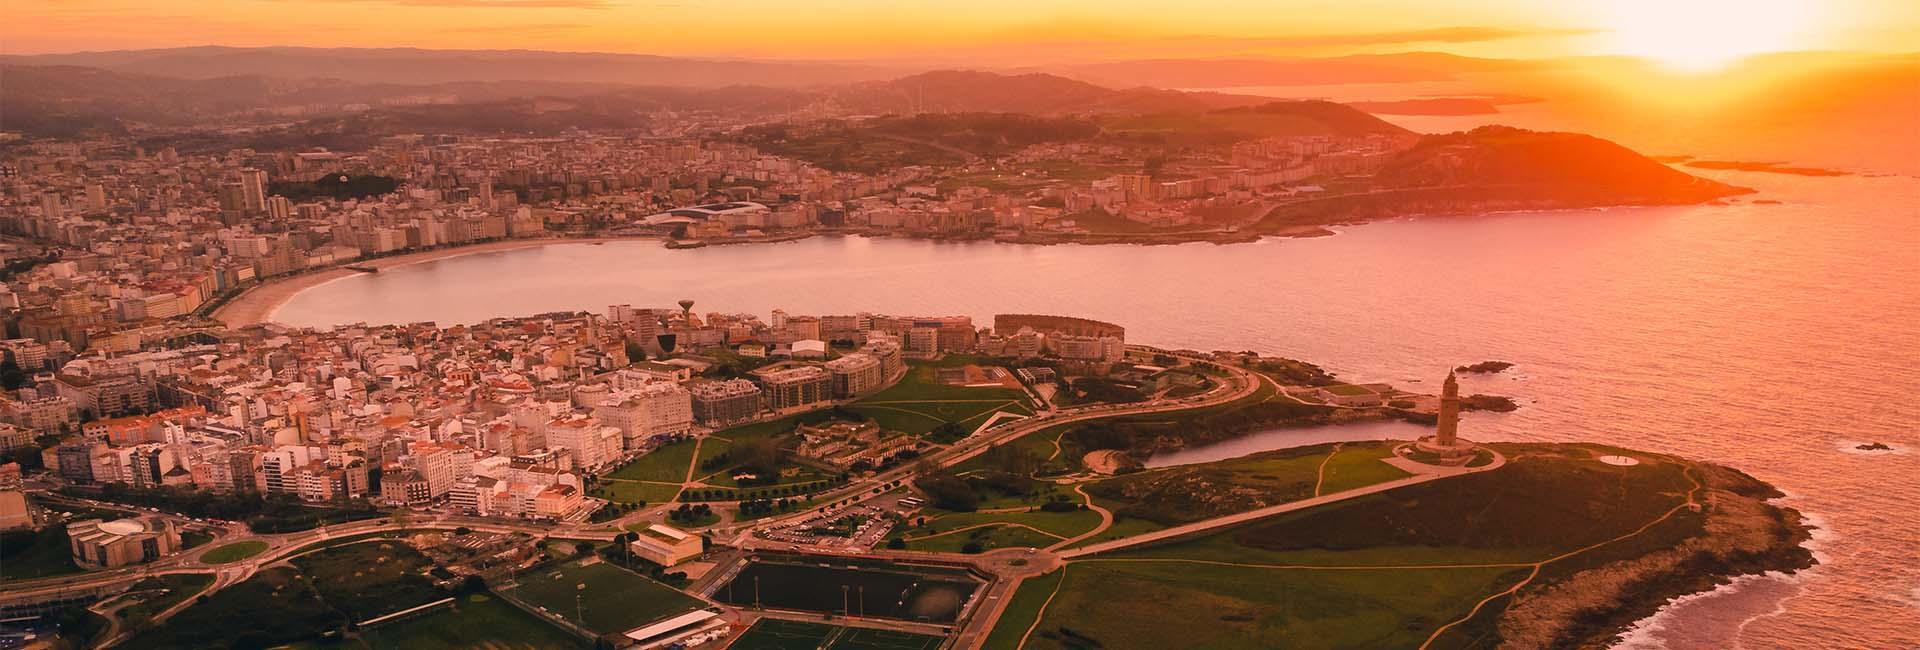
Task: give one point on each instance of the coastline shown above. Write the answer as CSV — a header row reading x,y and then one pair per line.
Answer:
x,y
258,303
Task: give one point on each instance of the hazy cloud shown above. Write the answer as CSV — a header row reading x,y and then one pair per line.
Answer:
x,y
540,28
494,4
1436,35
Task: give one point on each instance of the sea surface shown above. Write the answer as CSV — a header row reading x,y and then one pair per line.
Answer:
x,y
1770,337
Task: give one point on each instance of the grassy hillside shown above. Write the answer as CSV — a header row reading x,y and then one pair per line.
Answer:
x,y
1585,548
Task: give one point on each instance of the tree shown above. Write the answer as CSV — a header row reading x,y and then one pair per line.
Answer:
x,y
896,543
950,492
760,456
582,549
636,353
11,376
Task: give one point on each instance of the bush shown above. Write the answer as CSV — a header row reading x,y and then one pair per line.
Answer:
x,y
950,493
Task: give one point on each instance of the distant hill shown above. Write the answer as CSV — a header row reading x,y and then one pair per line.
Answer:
x,y
871,145
1503,168
1270,119
1430,106
417,66
968,91
1570,165
65,100
1228,73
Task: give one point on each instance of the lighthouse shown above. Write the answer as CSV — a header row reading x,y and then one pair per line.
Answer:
x,y
1448,432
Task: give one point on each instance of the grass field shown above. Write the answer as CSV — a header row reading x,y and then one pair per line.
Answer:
x,y
666,464
1161,605
619,491
988,538
476,621
1358,464
778,634
859,638
26,554
1173,495
234,552
1062,524
1347,390
1300,580
368,580
613,599
1122,527
920,402
1021,610
273,607
745,432
177,586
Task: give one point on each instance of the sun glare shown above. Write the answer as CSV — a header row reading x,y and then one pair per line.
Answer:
x,y
1707,35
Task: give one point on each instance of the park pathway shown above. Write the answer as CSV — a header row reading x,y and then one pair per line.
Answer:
x,y
1106,521
1321,480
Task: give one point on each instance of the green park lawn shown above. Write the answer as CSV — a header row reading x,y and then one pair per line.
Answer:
x,y
1060,524
1184,493
1122,527
667,464
370,579
987,538
234,552
619,491
475,621
1348,390
920,402
1157,604
273,607
1022,609
1300,579
26,554
614,599
160,592
1359,464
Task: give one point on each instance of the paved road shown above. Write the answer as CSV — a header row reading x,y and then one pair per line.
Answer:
x,y
1244,383
280,547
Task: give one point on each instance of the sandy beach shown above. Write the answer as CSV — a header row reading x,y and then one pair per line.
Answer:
x,y
256,304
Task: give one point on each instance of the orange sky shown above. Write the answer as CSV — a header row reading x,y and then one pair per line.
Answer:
x,y
1687,33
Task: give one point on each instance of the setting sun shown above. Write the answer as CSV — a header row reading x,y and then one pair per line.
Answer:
x,y
1704,35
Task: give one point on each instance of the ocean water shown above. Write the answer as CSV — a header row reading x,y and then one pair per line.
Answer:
x,y
1772,337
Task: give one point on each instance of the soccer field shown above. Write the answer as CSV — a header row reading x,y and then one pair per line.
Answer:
x,y
777,634
611,599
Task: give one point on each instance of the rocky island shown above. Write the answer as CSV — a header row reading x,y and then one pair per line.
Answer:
x,y
1485,367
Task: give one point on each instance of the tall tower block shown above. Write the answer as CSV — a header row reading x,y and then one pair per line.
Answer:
x,y
1449,426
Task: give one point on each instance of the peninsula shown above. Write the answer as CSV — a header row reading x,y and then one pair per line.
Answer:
x,y
654,475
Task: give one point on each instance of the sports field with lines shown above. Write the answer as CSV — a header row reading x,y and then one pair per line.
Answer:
x,y
778,634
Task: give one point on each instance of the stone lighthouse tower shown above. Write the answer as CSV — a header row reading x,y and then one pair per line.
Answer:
x,y
1448,432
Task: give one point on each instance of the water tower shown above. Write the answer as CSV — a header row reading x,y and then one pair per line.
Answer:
x,y
686,310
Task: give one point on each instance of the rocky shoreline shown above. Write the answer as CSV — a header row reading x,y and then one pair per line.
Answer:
x,y
1744,534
